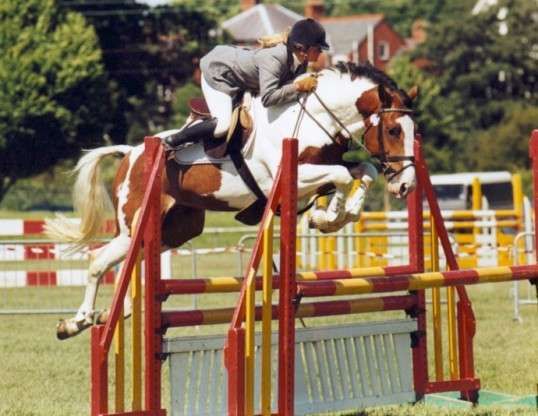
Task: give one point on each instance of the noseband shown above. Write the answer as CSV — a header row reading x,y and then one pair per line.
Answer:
x,y
380,160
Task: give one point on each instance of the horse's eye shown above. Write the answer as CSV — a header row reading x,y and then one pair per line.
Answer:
x,y
395,131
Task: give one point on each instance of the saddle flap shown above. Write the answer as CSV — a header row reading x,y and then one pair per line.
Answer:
x,y
198,106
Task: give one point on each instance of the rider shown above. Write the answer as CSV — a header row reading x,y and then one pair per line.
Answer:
x,y
228,71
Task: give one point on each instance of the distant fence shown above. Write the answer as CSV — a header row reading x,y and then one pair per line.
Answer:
x,y
28,260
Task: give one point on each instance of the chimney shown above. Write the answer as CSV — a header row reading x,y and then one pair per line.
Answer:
x,y
247,4
314,9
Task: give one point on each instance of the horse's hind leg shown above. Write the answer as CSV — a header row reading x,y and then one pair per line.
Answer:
x,y
101,260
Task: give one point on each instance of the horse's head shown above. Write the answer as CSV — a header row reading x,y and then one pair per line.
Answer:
x,y
389,134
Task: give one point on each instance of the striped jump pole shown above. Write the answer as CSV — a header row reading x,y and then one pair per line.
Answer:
x,y
417,281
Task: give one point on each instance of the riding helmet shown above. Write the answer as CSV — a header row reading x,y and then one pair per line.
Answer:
x,y
307,33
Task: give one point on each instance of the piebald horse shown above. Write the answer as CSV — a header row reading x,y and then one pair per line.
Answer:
x,y
350,100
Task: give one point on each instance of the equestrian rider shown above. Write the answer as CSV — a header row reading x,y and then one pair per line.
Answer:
x,y
228,71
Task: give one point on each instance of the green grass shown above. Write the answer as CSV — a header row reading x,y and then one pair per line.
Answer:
x,y
43,376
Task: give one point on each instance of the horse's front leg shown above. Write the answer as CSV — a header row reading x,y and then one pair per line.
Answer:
x,y
366,173
312,178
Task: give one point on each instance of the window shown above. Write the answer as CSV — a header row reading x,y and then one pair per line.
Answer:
x,y
499,195
383,50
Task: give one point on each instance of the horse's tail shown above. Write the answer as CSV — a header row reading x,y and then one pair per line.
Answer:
x,y
90,200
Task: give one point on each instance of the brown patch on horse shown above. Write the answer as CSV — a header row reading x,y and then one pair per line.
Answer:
x,y
181,224
330,154
136,189
368,103
194,185
118,180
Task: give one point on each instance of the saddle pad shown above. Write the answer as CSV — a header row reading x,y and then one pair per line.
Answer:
x,y
194,154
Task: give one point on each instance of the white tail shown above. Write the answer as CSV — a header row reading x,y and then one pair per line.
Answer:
x,y
90,200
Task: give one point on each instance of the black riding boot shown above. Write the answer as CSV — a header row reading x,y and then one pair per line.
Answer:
x,y
193,133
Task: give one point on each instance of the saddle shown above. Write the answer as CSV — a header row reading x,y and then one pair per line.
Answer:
x,y
238,133
240,130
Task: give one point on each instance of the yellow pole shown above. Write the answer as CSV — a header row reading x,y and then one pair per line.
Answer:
x,y
452,340
476,194
136,336
436,303
322,241
266,319
517,195
331,253
359,244
476,205
250,320
119,362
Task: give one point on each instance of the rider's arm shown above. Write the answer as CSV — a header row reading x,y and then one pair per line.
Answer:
x,y
270,70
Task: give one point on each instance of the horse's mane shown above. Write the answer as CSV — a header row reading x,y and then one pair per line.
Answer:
x,y
377,76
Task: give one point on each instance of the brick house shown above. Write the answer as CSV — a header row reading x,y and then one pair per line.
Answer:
x,y
358,37
351,38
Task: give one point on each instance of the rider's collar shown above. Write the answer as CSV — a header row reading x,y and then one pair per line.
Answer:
x,y
296,63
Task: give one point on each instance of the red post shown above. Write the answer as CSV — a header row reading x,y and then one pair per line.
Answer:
x,y
533,153
234,354
288,284
152,276
416,219
99,373
416,260
466,318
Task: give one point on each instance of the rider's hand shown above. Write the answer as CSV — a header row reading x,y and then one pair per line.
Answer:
x,y
306,84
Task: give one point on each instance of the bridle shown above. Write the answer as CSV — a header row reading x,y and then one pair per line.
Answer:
x,y
380,160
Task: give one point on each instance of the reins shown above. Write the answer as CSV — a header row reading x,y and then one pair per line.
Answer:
x,y
381,160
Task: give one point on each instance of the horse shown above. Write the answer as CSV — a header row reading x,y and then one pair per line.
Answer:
x,y
349,100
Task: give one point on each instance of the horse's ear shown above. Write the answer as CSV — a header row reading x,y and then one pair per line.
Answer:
x,y
384,97
413,92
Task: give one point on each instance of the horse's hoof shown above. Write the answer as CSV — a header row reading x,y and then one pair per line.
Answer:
x,y
318,220
69,328
61,330
101,317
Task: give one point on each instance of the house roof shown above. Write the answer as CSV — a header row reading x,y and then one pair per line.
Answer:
x,y
345,30
260,20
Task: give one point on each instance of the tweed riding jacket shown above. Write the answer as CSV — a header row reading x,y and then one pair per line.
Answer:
x,y
267,72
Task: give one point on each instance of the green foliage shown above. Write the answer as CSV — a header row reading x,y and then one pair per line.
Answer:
x,y
180,106
479,68
433,115
51,83
484,64
401,13
148,52
505,145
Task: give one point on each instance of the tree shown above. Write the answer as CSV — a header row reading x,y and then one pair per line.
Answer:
x,y
148,52
402,13
505,146
432,113
484,63
51,85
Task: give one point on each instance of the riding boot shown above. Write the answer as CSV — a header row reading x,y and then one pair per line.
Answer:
x,y
193,133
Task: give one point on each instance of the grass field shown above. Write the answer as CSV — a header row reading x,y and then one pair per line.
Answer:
x,y
40,375
43,376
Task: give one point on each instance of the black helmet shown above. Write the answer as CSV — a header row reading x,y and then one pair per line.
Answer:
x,y
307,33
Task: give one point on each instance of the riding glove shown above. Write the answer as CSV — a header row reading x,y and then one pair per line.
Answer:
x,y
306,84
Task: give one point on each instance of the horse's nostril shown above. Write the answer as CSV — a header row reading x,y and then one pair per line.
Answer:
x,y
403,189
